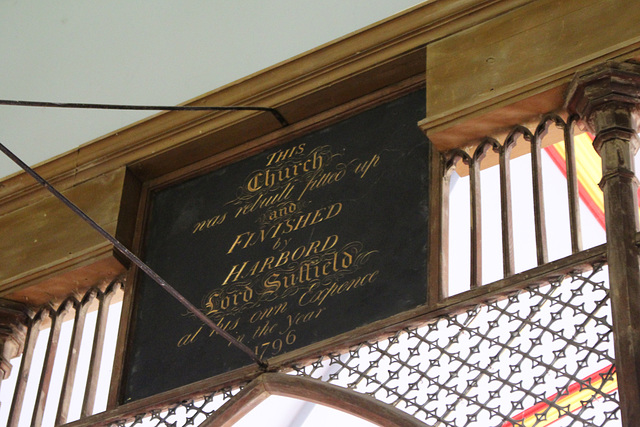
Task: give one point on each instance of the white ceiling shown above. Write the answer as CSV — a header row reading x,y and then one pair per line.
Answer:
x,y
145,52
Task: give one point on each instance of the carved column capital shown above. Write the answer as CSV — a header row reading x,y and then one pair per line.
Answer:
x,y
14,319
607,100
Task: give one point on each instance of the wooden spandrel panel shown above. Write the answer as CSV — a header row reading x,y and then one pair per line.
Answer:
x,y
290,247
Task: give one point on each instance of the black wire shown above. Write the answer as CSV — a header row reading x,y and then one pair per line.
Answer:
x,y
119,246
273,111
133,258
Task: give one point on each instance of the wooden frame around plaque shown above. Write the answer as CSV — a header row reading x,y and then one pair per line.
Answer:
x,y
306,240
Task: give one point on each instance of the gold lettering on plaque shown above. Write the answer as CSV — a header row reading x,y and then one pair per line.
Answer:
x,y
265,301
242,271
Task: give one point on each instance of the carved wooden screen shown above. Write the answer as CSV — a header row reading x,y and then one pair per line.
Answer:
x,y
64,371
530,349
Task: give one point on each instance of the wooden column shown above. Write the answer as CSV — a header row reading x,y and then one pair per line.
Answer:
x,y
13,327
607,98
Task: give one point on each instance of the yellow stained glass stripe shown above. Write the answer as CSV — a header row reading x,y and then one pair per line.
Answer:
x,y
589,167
572,402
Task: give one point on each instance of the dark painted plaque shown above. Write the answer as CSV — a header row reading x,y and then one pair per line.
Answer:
x,y
286,248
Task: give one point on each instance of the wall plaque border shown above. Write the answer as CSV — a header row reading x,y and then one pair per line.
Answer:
x,y
289,247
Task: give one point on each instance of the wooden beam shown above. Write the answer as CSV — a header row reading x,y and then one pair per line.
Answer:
x,y
45,240
513,67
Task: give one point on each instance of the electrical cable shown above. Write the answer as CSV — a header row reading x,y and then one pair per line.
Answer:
x,y
273,111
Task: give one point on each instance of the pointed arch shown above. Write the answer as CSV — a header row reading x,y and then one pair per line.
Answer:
x,y
310,390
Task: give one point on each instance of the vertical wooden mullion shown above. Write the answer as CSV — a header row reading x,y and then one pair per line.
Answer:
x,y
437,286
476,225
572,187
444,236
476,209
96,353
538,202
123,327
25,369
506,216
47,366
447,167
72,359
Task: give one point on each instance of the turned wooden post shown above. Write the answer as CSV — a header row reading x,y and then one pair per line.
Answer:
x,y
13,327
607,98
